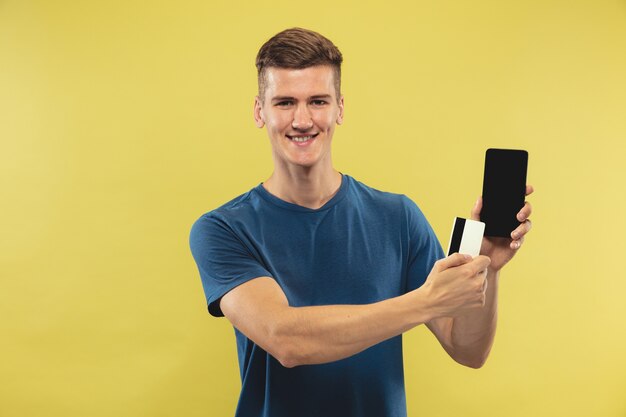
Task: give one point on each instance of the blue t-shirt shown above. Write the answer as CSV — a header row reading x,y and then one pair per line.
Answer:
x,y
361,247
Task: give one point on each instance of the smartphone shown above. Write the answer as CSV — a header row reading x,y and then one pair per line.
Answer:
x,y
504,190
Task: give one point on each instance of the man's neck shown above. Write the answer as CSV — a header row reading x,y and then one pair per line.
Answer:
x,y
303,187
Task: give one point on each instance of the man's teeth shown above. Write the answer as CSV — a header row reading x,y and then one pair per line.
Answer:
x,y
301,138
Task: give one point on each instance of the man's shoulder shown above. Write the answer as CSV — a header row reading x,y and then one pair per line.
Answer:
x,y
386,203
378,196
232,209
241,202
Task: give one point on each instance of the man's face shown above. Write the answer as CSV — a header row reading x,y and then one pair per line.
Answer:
x,y
300,110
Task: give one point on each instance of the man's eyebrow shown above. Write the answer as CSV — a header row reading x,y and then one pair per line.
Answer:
x,y
315,97
278,98
326,96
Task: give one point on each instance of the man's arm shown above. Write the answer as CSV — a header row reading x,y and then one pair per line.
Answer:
x,y
319,334
468,339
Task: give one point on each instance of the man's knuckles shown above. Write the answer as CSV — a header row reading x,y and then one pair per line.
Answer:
x,y
475,268
453,260
483,261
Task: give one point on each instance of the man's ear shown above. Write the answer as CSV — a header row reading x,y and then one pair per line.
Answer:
x,y
340,115
259,119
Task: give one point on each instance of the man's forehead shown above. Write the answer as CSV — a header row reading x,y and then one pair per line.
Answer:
x,y
317,80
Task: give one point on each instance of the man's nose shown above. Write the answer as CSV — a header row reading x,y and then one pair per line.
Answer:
x,y
302,118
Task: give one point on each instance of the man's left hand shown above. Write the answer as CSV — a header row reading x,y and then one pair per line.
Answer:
x,y
501,249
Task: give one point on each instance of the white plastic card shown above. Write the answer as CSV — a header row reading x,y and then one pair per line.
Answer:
x,y
466,237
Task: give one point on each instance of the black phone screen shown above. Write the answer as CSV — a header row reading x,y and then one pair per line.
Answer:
x,y
504,190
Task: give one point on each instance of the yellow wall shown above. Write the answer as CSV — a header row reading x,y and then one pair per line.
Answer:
x,y
121,122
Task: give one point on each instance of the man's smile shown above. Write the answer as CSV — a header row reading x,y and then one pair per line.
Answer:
x,y
302,139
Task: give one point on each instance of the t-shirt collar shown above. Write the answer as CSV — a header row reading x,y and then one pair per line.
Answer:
x,y
339,195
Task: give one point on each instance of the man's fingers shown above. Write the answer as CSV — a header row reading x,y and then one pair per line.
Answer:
x,y
525,212
475,213
516,244
456,259
480,263
522,229
477,264
529,189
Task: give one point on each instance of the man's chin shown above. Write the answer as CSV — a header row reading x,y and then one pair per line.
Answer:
x,y
304,162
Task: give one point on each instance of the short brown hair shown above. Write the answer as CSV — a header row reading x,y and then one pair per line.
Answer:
x,y
298,48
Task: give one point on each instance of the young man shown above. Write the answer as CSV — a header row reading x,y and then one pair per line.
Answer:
x,y
320,274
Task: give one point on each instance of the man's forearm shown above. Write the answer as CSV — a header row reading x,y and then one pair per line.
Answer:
x,y
320,334
473,334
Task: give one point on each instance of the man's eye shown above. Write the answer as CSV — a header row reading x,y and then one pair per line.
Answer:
x,y
318,102
283,103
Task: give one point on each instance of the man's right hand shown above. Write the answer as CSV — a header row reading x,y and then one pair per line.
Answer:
x,y
456,284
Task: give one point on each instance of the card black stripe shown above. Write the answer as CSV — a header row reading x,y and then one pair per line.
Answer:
x,y
457,235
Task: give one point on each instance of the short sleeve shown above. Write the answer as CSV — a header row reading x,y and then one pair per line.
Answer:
x,y
424,247
223,260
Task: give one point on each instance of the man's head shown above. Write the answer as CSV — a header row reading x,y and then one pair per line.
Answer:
x,y
298,48
299,101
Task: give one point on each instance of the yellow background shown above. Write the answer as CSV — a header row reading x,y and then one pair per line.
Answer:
x,y
121,122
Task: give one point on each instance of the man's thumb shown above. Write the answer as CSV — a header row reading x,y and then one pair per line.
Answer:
x,y
456,259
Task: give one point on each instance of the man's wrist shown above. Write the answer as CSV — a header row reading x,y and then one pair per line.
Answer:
x,y
493,273
419,306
